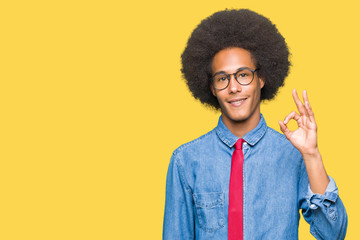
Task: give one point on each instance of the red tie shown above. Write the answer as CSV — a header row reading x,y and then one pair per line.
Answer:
x,y
235,218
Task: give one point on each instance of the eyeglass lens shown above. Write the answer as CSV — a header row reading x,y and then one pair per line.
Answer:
x,y
243,76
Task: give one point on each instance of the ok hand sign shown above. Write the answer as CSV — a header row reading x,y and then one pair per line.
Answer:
x,y
304,138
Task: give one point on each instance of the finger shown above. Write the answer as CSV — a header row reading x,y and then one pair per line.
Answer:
x,y
284,129
308,106
305,96
306,100
293,115
298,103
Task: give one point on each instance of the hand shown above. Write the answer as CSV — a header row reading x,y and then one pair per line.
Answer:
x,y
304,138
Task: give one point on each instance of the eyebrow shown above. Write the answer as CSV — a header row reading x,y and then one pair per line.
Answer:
x,y
223,72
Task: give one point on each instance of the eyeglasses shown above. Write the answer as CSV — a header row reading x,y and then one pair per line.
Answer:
x,y
244,76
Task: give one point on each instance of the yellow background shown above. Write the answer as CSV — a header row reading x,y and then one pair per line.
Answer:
x,y
92,105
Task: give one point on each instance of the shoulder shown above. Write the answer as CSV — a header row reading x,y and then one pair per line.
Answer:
x,y
191,151
279,141
195,144
276,147
275,135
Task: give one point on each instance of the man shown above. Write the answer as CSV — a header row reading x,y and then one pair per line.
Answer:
x,y
244,180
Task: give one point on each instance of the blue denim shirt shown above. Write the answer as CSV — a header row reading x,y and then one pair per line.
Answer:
x,y
275,186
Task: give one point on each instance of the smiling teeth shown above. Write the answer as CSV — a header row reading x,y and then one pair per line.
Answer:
x,y
238,101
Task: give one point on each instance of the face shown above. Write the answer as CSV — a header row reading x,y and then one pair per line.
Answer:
x,y
239,103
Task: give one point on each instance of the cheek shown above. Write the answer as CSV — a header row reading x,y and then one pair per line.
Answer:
x,y
258,95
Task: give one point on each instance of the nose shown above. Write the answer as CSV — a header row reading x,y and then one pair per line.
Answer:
x,y
234,86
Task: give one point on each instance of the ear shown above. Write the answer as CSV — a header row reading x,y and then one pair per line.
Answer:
x,y
262,82
213,90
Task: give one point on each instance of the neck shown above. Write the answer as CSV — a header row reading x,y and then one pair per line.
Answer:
x,y
240,128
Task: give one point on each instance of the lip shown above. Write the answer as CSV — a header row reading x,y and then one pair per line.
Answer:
x,y
236,102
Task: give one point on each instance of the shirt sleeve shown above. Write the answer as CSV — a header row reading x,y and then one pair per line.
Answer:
x,y
179,214
326,213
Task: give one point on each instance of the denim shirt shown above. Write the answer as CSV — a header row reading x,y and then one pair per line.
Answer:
x,y
275,188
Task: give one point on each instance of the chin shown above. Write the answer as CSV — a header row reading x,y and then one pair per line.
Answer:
x,y
237,117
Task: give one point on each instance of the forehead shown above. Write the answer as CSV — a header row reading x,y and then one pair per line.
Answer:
x,y
230,59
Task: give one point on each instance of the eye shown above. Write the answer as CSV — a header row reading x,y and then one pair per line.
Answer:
x,y
220,78
243,74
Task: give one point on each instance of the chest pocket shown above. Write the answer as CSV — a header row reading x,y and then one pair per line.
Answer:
x,y
210,210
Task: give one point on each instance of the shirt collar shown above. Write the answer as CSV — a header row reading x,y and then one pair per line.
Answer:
x,y
251,137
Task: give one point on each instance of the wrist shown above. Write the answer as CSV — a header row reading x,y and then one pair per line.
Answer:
x,y
311,155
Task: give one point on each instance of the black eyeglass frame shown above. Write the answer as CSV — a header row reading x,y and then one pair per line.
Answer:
x,y
229,75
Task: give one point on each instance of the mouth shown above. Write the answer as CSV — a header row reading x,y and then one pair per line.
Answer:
x,y
237,101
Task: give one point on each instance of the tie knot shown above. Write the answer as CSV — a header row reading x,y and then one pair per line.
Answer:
x,y
238,144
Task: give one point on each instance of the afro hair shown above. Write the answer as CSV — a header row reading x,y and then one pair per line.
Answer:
x,y
235,28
